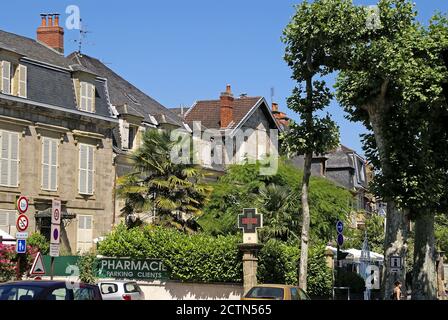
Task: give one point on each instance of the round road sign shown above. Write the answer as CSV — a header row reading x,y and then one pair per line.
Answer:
x,y
56,234
22,204
22,223
339,226
56,214
340,240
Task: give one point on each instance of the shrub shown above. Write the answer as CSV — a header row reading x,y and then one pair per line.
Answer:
x,y
87,267
352,280
9,259
278,263
196,257
39,242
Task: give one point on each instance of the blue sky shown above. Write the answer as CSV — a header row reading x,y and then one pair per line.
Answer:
x,y
181,51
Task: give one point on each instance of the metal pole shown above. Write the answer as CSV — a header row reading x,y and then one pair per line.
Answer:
x,y
18,266
52,268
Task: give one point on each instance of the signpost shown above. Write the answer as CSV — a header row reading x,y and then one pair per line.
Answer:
x,y
22,204
395,264
22,225
340,242
38,268
21,246
55,235
250,221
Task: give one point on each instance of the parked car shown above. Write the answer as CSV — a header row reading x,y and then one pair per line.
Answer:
x,y
121,290
48,290
275,292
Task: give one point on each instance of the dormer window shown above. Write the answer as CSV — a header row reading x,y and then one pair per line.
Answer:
x,y
6,77
13,79
87,97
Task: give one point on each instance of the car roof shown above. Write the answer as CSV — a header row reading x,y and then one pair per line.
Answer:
x,y
38,283
282,286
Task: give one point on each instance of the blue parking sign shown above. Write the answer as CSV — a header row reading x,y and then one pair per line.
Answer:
x,y
21,246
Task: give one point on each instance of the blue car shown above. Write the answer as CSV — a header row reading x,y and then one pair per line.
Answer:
x,y
48,290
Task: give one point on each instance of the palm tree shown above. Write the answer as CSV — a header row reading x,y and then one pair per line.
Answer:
x,y
173,193
278,204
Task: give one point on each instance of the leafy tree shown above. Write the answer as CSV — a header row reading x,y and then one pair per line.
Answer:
x,y
39,242
242,186
159,186
374,229
315,39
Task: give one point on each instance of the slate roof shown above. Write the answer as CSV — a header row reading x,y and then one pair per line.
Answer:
x,y
124,95
32,49
207,112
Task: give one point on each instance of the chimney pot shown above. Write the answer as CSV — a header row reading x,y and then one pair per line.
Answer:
x,y
56,20
228,89
44,20
274,107
50,20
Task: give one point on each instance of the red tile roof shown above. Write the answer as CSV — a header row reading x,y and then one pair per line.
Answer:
x,y
208,113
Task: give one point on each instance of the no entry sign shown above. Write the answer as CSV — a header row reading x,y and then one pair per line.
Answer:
x,y
22,223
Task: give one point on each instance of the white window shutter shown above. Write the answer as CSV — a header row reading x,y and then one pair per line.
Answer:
x,y
85,234
45,164
90,170
14,162
82,168
54,165
23,75
83,99
4,155
6,77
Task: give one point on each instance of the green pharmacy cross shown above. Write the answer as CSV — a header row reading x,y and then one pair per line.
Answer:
x,y
250,220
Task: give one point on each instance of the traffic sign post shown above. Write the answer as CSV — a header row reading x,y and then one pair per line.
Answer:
x,y
22,223
38,267
22,204
21,246
340,242
55,235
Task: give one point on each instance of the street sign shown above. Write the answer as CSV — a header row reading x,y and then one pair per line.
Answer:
x,y
54,250
21,246
56,212
395,263
340,239
250,220
22,223
148,269
21,235
339,226
38,267
22,204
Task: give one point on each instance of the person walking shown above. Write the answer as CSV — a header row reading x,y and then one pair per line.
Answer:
x,y
396,294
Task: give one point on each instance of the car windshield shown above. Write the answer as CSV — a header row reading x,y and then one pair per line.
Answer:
x,y
265,293
14,292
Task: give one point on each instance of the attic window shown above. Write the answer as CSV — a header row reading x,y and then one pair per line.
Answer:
x,y
132,98
87,97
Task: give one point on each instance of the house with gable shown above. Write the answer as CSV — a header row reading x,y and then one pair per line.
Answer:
x,y
232,130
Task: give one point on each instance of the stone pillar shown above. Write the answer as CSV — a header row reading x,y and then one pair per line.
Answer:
x,y
250,264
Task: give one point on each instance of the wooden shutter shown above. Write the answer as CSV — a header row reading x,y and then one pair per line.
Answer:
x,y
83,95
49,164
23,75
90,97
6,77
9,158
86,169
85,233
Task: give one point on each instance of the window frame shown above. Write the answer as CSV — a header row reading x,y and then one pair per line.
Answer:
x,y
9,159
2,78
87,170
50,165
87,92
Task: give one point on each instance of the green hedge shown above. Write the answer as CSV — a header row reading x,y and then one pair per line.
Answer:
x,y
204,258
278,263
197,257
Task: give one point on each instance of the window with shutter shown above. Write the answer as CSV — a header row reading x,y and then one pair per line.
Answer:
x,y
22,83
6,77
85,233
49,164
9,158
87,97
86,169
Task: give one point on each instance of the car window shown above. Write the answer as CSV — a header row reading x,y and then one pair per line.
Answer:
x,y
295,294
266,293
131,287
303,295
109,288
19,293
58,294
86,293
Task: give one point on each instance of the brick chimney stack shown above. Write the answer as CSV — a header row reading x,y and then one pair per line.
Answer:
x,y
226,107
50,33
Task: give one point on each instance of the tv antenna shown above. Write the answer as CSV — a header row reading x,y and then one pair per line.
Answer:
x,y
272,95
82,36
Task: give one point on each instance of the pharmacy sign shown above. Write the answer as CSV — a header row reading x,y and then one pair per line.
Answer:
x,y
127,268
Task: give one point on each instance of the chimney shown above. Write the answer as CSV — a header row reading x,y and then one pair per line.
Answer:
x,y
274,107
50,33
226,107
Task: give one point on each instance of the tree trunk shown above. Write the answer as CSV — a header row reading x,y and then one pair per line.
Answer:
x,y
395,241
424,269
303,270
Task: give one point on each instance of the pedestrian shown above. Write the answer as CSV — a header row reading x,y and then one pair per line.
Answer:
x,y
396,294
